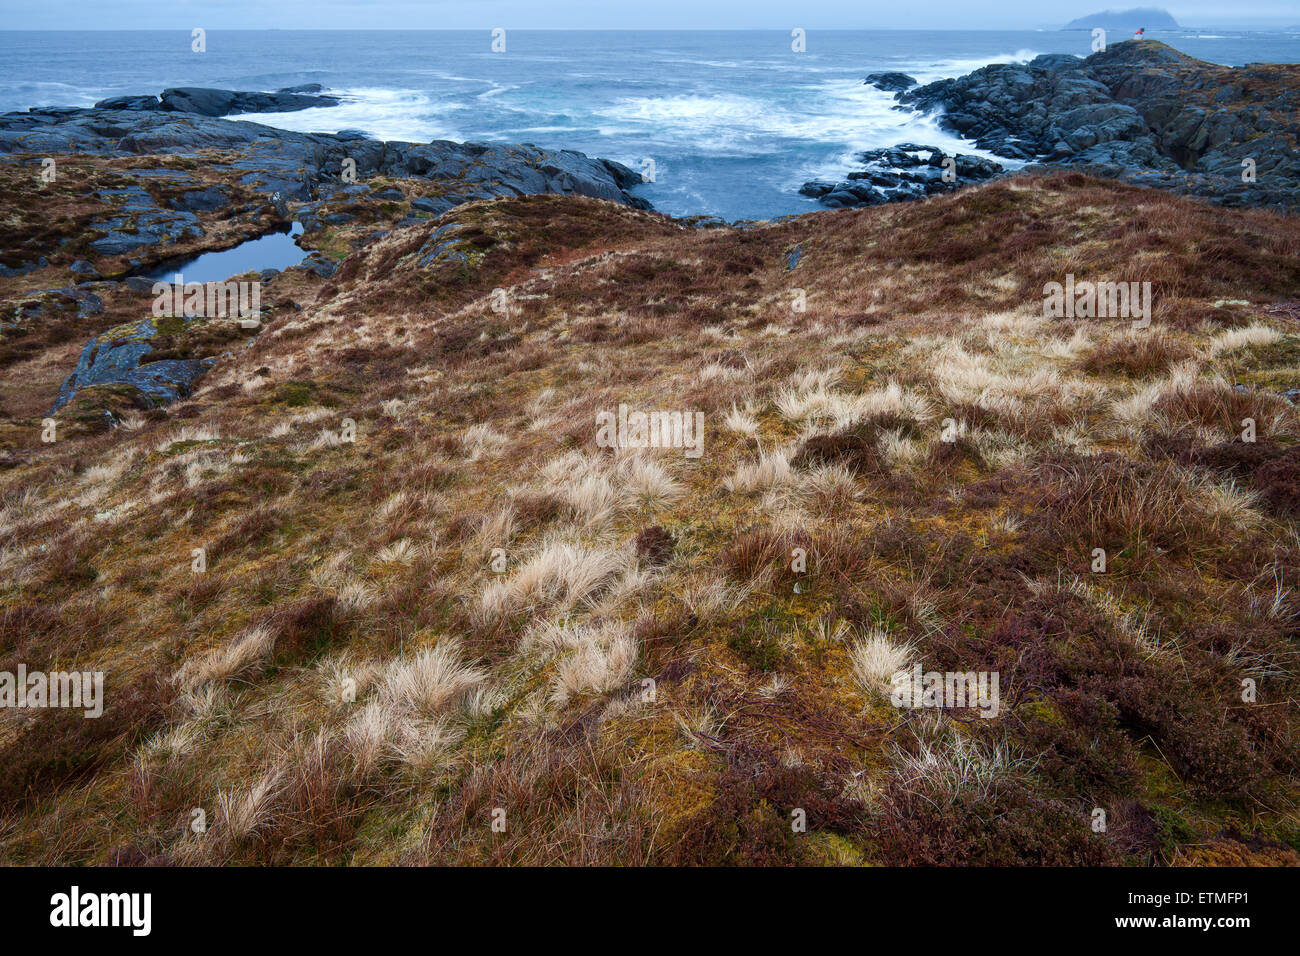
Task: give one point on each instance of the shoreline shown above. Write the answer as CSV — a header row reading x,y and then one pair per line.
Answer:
x,y
178,176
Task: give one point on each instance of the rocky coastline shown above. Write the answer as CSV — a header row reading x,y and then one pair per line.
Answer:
x,y
1138,111
159,180
210,102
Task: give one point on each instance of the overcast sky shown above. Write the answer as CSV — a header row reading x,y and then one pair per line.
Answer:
x,y
606,14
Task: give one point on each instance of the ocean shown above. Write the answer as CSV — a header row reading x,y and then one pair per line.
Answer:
x,y
734,122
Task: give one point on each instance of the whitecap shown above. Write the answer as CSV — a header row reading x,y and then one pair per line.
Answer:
x,y
385,114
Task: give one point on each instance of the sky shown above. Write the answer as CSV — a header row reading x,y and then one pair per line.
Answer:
x,y
604,14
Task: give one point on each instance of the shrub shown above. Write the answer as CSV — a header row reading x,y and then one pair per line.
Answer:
x,y
749,821
654,545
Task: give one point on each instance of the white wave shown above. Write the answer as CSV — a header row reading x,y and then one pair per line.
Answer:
x,y
383,114
861,117
32,93
838,118
696,111
929,71
524,130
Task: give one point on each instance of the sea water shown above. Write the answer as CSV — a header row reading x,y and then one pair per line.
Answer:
x,y
734,121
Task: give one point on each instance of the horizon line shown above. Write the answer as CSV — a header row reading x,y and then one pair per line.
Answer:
x,y
349,29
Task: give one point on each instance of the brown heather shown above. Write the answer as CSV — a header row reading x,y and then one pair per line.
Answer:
x,y
649,680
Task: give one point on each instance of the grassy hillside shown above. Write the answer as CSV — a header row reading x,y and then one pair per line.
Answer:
x,y
353,680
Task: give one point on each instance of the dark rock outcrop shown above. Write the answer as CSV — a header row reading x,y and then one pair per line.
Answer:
x,y
44,301
294,165
119,357
245,167
1139,111
211,102
890,82
158,209
900,173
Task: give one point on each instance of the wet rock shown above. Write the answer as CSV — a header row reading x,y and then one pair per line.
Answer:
x,y
140,223
47,302
118,357
1139,111
816,188
890,82
435,206
212,102
22,268
442,246
130,103
320,265
206,200
899,173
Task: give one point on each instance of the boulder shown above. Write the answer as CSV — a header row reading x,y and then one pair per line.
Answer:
x,y
890,82
899,173
210,102
130,103
118,357
318,264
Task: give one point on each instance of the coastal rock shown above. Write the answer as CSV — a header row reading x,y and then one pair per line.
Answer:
x,y
890,82
164,207
317,263
22,268
1138,110
203,200
129,103
281,163
118,358
157,208
899,173
212,102
432,206
44,303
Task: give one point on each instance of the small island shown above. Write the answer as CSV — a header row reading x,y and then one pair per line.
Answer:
x,y
1150,18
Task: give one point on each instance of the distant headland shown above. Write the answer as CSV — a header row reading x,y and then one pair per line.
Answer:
x,y
1150,18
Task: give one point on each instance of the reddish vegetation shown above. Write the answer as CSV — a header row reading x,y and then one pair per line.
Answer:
x,y
651,658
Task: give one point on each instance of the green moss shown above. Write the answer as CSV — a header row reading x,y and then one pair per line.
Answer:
x,y
1171,830
170,325
297,394
756,641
